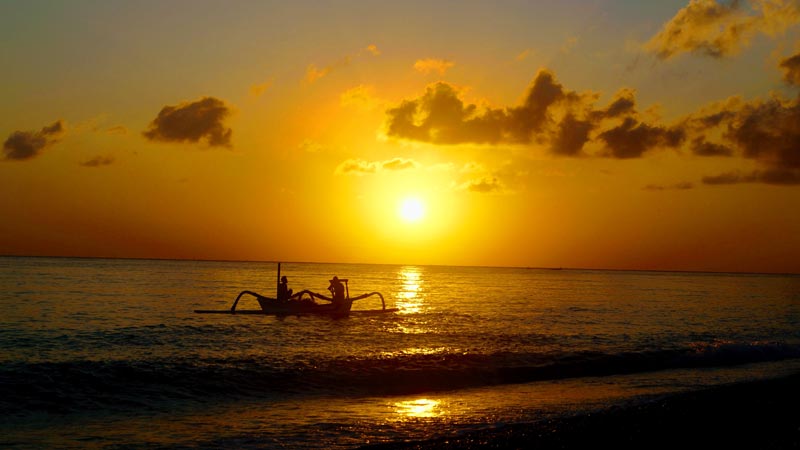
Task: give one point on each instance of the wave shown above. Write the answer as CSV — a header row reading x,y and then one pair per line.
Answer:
x,y
75,386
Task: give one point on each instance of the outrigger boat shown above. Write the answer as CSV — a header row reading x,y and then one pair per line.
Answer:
x,y
302,303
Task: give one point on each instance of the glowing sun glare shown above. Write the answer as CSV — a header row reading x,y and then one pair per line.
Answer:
x,y
411,210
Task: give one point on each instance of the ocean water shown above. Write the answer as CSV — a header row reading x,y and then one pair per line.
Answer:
x,y
100,353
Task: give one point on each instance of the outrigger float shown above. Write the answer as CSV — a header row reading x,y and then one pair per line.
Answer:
x,y
302,303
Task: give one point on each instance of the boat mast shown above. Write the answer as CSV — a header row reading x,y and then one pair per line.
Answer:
x,y
278,286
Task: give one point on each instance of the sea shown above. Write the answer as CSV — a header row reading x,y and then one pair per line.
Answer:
x,y
109,353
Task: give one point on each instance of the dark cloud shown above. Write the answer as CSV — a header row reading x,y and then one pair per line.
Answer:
x,y
624,103
768,132
98,161
549,115
569,124
791,68
727,178
572,135
23,145
779,176
783,177
191,122
632,138
701,147
441,117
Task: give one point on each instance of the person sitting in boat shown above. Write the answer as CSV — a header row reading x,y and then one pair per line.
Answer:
x,y
284,293
338,291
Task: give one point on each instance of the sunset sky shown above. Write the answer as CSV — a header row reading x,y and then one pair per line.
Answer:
x,y
590,134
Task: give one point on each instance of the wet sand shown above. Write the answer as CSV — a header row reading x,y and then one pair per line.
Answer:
x,y
755,415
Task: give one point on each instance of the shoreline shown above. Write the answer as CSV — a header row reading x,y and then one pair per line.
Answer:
x,y
761,414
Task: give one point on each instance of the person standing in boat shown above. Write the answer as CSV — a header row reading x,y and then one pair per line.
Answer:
x,y
284,293
337,291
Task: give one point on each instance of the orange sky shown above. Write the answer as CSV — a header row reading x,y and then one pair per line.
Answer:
x,y
600,134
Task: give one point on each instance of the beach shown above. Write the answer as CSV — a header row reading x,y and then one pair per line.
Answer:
x,y
753,415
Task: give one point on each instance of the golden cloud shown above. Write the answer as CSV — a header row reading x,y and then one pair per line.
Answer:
x,y
314,73
361,96
721,29
426,66
361,167
257,90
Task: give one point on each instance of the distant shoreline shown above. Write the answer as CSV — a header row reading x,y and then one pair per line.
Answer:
x,y
565,269
752,415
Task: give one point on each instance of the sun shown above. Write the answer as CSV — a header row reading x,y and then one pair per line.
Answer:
x,y
411,210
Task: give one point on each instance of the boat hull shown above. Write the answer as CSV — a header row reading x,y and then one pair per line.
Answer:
x,y
298,305
260,312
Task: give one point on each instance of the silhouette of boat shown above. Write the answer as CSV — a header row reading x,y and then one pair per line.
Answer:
x,y
302,303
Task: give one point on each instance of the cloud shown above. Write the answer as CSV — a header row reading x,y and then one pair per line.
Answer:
x,y
569,124
784,177
720,29
571,136
361,96
314,73
549,115
439,116
24,145
702,148
191,122
768,132
310,146
523,55
632,138
398,164
484,185
728,178
678,186
361,167
98,161
765,131
791,69
426,66
257,90
569,44
119,129
356,167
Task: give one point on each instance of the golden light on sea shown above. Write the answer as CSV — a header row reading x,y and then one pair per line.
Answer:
x,y
419,408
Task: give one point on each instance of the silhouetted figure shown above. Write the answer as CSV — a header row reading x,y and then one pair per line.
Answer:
x,y
338,291
284,293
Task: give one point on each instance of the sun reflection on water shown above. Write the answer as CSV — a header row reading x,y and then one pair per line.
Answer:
x,y
409,297
419,351
419,408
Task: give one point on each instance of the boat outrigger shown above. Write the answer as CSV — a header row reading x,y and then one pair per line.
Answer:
x,y
302,303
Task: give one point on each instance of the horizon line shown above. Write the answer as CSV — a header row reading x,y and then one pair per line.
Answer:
x,y
554,268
